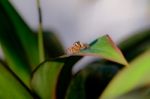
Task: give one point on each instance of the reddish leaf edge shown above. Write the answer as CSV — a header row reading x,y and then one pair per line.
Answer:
x,y
125,63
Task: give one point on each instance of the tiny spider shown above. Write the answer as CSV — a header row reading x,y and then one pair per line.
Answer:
x,y
77,46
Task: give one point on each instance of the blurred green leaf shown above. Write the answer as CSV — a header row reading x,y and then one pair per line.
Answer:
x,y
18,28
129,78
53,47
19,43
13,52
77,88
138,93
135,39
45,77
91,81
104,47
10,87
135,44
65,76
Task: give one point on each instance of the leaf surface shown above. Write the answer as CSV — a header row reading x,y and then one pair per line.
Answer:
x,y
105,48
46,77
19,29
91,81
10,87
129,78
18,42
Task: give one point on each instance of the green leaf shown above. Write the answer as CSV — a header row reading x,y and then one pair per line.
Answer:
x,y
129,78
134,45
10,87
91,81
46,76
104,47
18,42
17,27
13,52
135,40
45,79
53,47
65,76
77,88
138,93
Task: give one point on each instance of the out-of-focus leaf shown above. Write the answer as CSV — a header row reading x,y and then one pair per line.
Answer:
x,y
104,47
135,39
45,77
76,89
10,87
91,81
13,51
129,78
17,28
135,45
139,93
65,76
53,47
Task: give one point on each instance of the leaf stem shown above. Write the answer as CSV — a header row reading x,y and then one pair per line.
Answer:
x,y
40,34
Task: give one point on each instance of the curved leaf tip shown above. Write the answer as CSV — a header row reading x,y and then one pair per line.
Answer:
x,y
105,48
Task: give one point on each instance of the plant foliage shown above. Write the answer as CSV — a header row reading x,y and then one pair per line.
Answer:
x,y
113,76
